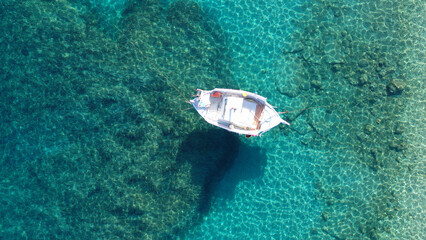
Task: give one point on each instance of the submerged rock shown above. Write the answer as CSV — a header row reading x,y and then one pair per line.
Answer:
x,y
368,129
399,128
395,87
363,63
290,90
358,80
398,145
317,84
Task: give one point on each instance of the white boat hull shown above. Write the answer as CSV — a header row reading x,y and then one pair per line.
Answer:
x,y
237,111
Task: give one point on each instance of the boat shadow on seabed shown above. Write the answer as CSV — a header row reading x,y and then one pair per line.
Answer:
x,y
214,160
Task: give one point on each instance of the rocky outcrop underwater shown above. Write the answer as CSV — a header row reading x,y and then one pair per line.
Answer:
x,y
94,139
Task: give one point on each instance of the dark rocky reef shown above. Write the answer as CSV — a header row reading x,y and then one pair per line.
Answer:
x,y
351,100
94,139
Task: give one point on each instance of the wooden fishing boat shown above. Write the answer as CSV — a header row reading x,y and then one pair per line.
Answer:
x,y
237,111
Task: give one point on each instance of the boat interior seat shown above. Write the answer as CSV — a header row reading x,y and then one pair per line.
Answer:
x,y
205,101
239,111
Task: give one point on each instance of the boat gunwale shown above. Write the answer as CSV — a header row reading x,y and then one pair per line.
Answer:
x,y
252,97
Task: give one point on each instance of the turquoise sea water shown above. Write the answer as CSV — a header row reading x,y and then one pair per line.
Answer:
x,y
96,144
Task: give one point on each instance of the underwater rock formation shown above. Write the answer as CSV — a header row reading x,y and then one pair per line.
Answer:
x,y
394,87
92,129
350,111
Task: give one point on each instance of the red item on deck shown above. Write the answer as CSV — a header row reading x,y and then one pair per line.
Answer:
x,y
216,94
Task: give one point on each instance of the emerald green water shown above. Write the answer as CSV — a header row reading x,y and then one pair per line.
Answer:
x,y
96,144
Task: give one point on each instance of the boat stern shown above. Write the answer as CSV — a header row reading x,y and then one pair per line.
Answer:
x,y
285,122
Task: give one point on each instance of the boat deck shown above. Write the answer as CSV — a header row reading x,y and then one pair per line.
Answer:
x,y
236,112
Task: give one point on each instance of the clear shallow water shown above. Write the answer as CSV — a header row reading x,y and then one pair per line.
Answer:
x,y
94,159
334,190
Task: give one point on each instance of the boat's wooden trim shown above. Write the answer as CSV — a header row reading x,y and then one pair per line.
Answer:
x,y
214,113
258,114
